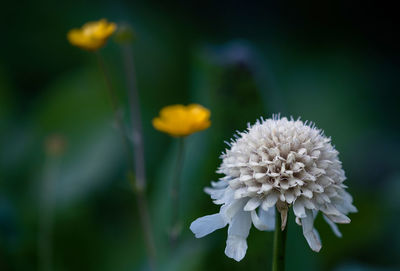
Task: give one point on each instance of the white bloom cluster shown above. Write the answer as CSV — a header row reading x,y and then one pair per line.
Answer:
x,y
275,164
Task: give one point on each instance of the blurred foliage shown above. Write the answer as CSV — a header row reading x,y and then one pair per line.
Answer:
x,y
334,64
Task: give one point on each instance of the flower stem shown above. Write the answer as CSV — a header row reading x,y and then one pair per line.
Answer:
x,y
135,154
138,153
136,120
278,261
175,189
113,98
146,226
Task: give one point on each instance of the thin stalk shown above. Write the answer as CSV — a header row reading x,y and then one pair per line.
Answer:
x,y
111,92
278,261
135,154
114,102
175,191
146,226
136,120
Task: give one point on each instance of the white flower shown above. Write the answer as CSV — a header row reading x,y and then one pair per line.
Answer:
x,y
277,163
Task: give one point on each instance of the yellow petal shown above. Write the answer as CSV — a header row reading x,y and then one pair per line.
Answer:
x,y
179,120
92,35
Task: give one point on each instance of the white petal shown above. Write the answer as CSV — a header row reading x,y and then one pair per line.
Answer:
x,y
325,198
284,185
259,175
302,151
236,247
343,205
313,240
226,178
289,197
252,204
329,209
317,188
240,224
307,193
264,220
309,232
236,244
226,198
228,211
257,222
215,193
341,219
291,157
308,204
253,189
268,217
351,208
235,183
239,193
333,226
222,183
298,208
244,178
207,224
265,187
270,201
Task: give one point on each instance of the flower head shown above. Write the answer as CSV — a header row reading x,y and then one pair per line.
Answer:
x,y
277,164
92,35
179,120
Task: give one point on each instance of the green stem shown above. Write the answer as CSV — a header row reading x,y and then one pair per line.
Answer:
x,y
175,189
136,119
136,161
114,102
278,261
146,226
107,79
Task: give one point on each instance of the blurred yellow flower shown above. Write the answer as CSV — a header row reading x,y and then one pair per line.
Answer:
x,y
179,120
92,35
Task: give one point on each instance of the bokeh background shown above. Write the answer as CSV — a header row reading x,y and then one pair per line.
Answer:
x,y
332,63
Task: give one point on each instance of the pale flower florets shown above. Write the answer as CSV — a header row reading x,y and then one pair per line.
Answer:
x,y
277,163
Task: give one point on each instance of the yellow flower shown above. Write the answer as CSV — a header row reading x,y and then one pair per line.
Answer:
x,y
179,120
92,36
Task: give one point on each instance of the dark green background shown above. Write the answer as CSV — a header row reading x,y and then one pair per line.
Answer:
x,y
332,63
